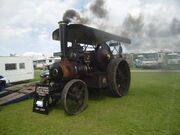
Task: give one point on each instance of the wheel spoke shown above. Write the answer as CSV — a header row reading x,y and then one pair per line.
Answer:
x,y
72,96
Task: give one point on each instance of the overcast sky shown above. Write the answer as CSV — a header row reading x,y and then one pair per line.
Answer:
x,y
26,25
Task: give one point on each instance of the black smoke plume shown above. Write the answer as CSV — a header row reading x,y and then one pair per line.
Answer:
x,y
175,26
74,16
98,8
133,26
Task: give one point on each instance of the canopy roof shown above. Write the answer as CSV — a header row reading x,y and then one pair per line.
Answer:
x,y
86,35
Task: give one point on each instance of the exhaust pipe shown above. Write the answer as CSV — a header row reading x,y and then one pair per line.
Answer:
x,y
63,37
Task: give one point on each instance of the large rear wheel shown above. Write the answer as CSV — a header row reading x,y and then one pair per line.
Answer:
x,y
118,74
74,96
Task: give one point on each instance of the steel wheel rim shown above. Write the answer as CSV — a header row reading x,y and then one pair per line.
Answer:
x,y
122,78
75,97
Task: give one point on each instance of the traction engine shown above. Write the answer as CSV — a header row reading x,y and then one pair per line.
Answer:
x,y
87,61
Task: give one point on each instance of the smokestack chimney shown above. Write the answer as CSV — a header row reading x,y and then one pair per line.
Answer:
x,y
63,37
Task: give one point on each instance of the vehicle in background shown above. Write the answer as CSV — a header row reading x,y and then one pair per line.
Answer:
x,y
173,59
16,68
44,73
158,60
43,63
138,61
150,60
3,82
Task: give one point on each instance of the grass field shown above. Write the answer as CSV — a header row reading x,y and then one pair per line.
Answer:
x,y
152,107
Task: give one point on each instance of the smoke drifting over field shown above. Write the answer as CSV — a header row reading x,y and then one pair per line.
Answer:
x,y
133,28
98,8
175,26
146,32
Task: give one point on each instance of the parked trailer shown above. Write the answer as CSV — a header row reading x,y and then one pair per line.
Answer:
x,y
173,59
16,68
150,60
158,60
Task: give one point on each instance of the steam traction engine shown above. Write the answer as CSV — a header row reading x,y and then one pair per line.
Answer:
x,y
87,60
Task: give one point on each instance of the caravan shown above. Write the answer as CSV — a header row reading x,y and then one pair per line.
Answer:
x,y
158,60
16,68
173,59
150,60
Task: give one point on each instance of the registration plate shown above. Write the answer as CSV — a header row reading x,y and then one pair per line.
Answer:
x,y
42,90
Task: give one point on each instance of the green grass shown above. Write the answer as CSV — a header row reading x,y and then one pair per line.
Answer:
x,y
135,68
177,67
152,107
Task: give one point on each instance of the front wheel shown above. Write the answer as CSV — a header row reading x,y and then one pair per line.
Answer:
x,y
74,96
